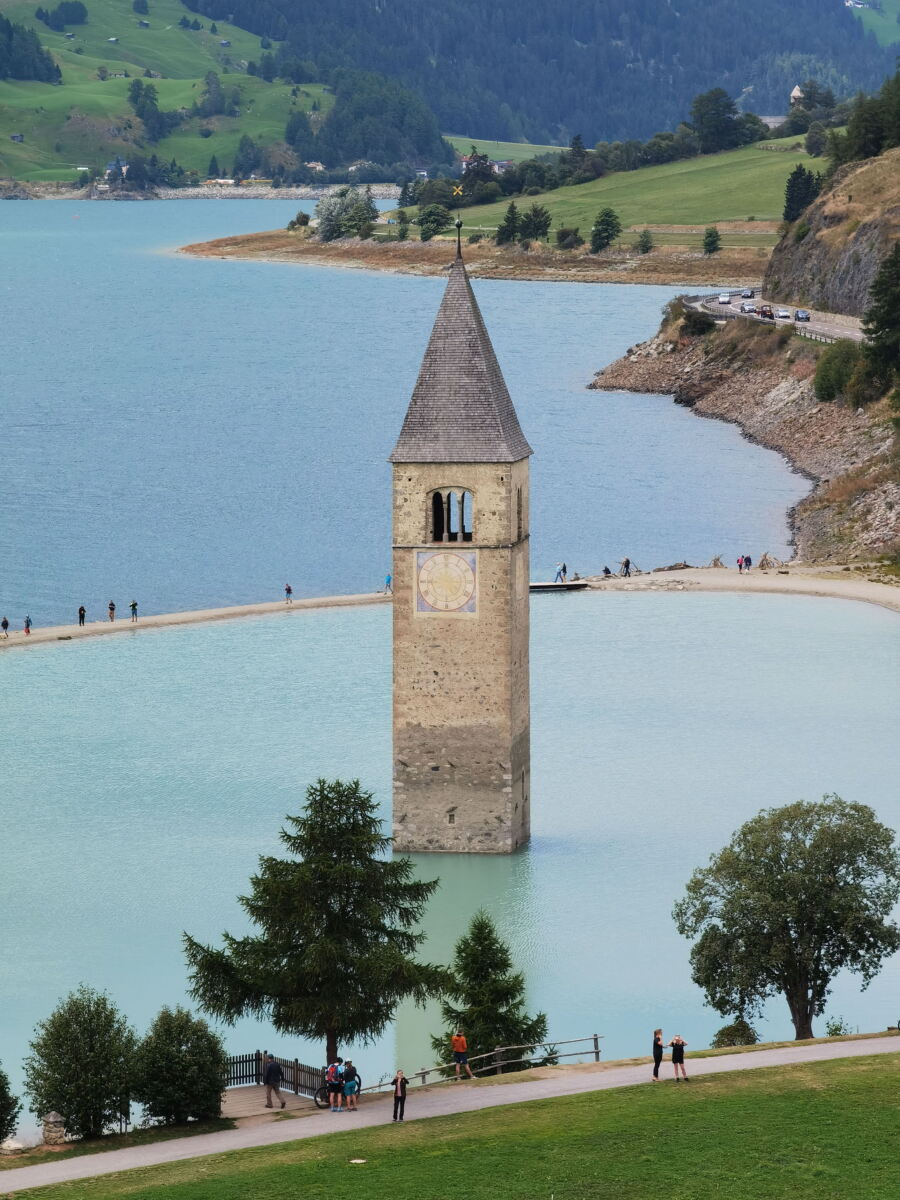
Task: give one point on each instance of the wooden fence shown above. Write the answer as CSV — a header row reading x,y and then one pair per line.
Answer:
x,y
297,1077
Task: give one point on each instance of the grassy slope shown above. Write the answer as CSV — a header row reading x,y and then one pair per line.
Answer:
x,y
54,144
515,151
822,1131
886,25
700,191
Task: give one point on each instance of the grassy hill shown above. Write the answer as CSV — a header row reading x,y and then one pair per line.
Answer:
x,y
86,121
823,1131
730,186
885,24
502,151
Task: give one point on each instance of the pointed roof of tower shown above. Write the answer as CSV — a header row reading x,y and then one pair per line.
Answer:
x,y
460,410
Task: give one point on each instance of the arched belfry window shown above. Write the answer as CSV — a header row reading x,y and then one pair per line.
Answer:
x,y
451,516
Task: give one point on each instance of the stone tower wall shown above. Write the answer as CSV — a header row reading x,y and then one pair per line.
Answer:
x,y
461,703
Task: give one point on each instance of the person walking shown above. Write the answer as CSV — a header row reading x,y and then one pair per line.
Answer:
x,y
133,607
678,1044
288,594
352,1086
398,1083
112,610
4,625
558,578
335,1084
748,563
388,585
461,1053
657,1053
82,613
626,567
740,564
272,1077
28,626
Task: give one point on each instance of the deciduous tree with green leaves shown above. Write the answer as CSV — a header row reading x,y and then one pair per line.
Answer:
x,y
486,997
337,942
9,1109
799,894
432,220
82,1063
606,229
180,1069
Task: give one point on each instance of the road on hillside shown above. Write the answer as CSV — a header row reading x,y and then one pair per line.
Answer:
x,y
822,326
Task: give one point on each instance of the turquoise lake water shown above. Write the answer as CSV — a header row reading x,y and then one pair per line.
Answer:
x,y
197,432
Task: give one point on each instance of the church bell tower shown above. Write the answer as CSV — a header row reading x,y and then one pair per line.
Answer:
x,y
460,566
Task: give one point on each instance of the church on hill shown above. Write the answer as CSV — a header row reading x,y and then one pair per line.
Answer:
x,y
462,775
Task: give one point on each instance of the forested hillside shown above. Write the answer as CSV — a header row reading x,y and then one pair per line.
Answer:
x,y
603,68
22,56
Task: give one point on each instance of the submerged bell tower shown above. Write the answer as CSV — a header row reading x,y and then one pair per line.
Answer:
x,y
462,771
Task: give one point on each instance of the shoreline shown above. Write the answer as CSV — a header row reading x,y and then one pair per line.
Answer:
x,y
792,580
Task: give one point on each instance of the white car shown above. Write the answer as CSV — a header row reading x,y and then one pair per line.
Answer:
x,y
783,314
748,307
725,298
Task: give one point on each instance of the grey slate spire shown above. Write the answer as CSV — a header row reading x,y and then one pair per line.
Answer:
x,y
460,410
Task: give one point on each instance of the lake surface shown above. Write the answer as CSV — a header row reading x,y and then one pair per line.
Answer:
x,y
192,432
195,432
144,775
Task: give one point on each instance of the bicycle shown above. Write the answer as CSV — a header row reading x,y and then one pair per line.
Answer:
x,y
321,1096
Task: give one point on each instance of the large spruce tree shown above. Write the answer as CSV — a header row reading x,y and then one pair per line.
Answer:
x,y
881,323
337,920
487,999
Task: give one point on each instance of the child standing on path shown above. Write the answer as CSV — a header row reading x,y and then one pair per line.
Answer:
x,y
678,1044
398,1083
461,1053
657,1053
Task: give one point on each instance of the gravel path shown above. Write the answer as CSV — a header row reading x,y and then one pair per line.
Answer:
x,y
447,1099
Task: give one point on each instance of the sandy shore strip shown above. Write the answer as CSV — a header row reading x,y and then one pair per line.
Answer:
x,y
833,582
70,633
791,581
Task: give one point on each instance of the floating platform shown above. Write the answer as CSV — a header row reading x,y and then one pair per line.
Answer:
x,y
576,585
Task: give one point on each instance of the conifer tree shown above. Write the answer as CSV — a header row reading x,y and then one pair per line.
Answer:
x,y
335,952
535,222
212,171
508,229
487,998
9,1108
607,228
712,240
881,323
644,242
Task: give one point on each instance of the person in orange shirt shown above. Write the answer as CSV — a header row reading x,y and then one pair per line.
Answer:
x,y
461,1052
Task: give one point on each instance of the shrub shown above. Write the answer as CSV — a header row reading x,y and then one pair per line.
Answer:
x,y
568,239
474,238
739,1033
9,1109
696,323
835,368
81,1063
180,1069
837,1027
801,231
299,222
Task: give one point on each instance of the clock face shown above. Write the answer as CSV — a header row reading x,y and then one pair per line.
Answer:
x,y
446,581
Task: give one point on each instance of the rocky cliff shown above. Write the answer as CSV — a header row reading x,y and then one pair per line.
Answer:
x,y
761,379
829,257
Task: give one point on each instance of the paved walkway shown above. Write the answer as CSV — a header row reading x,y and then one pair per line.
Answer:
x,y
445,1099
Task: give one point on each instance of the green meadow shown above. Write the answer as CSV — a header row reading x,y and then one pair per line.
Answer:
x,y
501,151
884,24
819,1131
730,186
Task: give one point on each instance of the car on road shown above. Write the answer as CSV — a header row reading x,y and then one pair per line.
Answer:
x,y
748,306
724,298
783,314
802,314
748,294
765,311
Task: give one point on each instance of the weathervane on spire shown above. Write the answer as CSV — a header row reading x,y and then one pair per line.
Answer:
x,y
458,224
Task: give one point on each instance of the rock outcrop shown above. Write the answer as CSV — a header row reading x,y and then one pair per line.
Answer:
x,y
761,380
829,257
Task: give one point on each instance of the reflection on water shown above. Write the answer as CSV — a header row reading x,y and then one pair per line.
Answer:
x,y
144,775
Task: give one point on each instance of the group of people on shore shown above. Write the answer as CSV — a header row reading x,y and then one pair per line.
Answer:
x,y
27,624
677,1046
744,563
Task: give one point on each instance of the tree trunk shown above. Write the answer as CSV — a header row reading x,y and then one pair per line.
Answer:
x,y
801,1015
331,1045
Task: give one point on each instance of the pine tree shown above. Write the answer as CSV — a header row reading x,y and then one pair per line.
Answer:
x,y
712,240
487,998
508,229
881,322
535,223
644,242
801,189
335,952
9,1109
212,171
607,228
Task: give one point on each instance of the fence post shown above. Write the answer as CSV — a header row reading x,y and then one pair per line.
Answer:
x,y
257,1068
596,1048
498,1062
296,1077
423,1075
